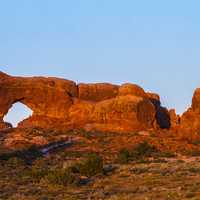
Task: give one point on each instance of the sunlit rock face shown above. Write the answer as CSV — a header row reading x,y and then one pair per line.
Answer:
x,y
63,104
190,120
97,91
50,97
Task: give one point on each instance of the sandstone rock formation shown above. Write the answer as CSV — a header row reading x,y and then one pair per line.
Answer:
x,y
59,103
190,120
174,118
97,92
49,97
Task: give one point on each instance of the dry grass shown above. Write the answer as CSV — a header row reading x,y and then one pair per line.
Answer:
x,y
158,176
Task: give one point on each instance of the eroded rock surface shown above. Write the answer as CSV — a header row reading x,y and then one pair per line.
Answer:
x,y
60,103
190,120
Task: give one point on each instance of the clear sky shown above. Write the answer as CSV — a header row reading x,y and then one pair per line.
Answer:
x,y
153,43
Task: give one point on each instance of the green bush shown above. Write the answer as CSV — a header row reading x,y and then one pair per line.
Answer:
x,y
123,156
37,173
143,149
15,162
90,166
85,134
27,155
53,176
166,154
62,177
193,152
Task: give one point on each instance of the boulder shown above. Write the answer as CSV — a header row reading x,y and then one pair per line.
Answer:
x,y
131,89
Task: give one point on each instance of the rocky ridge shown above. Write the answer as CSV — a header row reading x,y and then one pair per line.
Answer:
x,y
63,104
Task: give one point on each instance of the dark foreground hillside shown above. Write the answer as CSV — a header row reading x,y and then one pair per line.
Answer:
x,y
141,165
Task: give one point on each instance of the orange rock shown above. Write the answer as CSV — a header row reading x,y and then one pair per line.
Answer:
x,y
39,140
174,118
131,89
123,111
58,103
196,101
190,120
5,125
44,96
97,91
153,96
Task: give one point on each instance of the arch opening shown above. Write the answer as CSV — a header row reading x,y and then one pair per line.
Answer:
x,y
17,113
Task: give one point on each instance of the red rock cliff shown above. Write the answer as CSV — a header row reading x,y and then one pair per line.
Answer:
x,y
59,103
190,120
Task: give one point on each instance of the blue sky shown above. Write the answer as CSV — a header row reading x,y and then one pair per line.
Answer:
x,y
155,44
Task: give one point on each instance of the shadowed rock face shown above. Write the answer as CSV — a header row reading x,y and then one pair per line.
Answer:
x,y
59,103
162,114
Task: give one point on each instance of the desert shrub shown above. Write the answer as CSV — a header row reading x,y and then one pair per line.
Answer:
x,y
31,153
37,173
53,176
62,177
123,156
166,154
90,166
195,142
153,134
194,170
139,170
15,162
143,149
194,152
4,156
71,154
140,151
27,155
85,134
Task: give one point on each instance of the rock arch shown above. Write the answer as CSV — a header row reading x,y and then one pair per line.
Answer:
x,y
64,104
50,97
